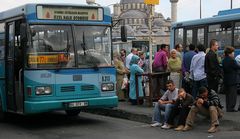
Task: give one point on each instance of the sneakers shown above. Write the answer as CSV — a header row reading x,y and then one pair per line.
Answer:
x,y
156,124
187,128
179,128
212,129
166,126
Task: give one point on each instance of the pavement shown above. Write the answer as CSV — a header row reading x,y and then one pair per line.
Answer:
x,y
141,113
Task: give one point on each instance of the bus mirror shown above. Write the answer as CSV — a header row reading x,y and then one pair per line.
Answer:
x,y
123,33
23,31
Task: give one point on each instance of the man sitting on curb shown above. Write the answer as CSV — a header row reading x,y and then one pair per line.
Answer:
x,y
181,108
208,103
166,103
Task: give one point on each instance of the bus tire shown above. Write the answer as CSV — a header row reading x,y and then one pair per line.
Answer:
x,y
2,113
74,112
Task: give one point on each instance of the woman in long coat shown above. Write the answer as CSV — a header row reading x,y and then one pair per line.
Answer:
x,y
121,70
135,69
230,69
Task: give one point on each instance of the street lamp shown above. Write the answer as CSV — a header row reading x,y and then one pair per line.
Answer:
x,y
200,9
231,4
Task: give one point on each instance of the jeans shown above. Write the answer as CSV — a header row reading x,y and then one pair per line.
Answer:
x,y
157,117
197,85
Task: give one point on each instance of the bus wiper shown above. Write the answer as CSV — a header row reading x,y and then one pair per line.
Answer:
x,y
84,47
83,44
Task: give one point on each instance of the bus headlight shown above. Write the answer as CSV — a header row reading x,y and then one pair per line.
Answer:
x,y
43,90
107,86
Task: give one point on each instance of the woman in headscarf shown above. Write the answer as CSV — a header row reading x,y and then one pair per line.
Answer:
x,y
121,71
174,66
135,69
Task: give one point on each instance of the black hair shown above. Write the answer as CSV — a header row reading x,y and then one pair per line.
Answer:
x,y
163,46
191,47
200,47
202,90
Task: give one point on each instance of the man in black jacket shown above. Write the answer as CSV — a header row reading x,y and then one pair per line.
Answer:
x,y
182,106
207,103
212,67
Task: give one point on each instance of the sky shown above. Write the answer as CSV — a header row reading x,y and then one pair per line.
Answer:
x,y
187,9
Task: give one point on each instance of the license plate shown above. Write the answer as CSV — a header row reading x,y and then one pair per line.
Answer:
x,y
77,104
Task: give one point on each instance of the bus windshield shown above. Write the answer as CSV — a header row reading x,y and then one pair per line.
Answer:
x,y
93,44
52,47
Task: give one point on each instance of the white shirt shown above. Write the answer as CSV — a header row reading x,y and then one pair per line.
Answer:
x,y
197,71
128,59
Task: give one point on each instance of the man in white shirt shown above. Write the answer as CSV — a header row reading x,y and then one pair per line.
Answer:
x,y
165,103
197,72
129,57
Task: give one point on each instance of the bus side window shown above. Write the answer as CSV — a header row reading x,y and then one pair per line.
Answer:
x,y
237,35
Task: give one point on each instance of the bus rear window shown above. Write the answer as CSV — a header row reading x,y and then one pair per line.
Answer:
x,y
179,36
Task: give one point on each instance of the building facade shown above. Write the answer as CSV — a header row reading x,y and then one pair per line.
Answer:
x,y
134,14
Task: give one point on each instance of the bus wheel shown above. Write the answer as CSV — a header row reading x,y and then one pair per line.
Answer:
x,y
2,114
74,112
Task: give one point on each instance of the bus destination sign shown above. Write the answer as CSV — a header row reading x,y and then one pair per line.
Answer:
x,y
69,13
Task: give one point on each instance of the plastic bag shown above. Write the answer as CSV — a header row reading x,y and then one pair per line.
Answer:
x,y
125,82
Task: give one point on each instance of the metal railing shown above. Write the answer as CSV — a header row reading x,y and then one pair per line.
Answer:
x,y
160,77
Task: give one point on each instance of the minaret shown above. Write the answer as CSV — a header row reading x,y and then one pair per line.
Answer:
x,y
174,10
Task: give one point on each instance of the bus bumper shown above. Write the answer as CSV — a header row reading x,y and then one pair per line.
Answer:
x,y
31,107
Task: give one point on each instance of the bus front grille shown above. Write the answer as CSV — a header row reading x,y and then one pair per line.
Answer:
x,y
68,89
87,87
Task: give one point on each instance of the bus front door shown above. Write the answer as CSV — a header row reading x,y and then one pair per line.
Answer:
x,y
10,81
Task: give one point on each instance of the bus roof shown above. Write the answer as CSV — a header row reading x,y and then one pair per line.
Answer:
x,y
29,11
223,16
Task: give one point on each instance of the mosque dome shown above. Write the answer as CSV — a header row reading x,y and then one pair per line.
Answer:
x,y
133,14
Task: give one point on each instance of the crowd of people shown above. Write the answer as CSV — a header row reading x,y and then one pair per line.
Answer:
x,y
192,86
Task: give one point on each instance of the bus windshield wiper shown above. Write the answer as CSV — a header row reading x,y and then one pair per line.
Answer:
x,y
83,44
84,47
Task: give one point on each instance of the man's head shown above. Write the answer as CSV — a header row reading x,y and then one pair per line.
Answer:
x,y
179,47
181,93
214,45
191,47
201,48
170,85
134,51
203,92
164,47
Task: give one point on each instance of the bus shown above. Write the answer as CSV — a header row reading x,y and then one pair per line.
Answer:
x,y
56,57
225,27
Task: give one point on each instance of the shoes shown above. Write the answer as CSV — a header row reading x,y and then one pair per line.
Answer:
x,y
179,128
156,124
213,129
187,128
166,126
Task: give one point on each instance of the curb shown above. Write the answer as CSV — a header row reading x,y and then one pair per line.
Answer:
x,y
226,124
117,113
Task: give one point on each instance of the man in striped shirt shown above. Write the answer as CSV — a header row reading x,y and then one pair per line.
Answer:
x,y
208,104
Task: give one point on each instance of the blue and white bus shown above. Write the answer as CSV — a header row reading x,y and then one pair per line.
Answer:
x,y
56,57
225,27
